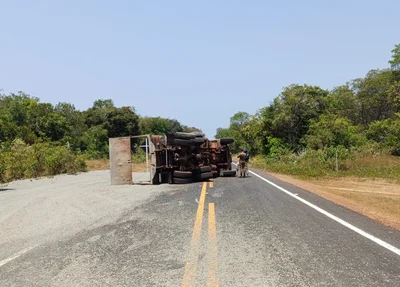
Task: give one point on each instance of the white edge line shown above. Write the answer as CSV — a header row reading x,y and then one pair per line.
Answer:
x,y
337,219
16,255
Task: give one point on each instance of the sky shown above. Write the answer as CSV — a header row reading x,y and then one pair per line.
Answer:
x,y
198,62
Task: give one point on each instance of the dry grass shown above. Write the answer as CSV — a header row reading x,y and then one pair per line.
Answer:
x,y
97,164
139,167
104,164
378,199
381,160
310,167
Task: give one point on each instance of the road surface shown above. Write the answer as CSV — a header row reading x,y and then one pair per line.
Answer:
x,y
256,231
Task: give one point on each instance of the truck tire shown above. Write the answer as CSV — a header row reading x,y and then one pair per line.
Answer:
x,y
226,140
199,134
182,142
182,174
205,169
198,140
170,178
178,180
185,136
229,172
206,175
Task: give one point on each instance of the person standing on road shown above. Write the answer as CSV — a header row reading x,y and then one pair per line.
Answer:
x,y
242,163
247,157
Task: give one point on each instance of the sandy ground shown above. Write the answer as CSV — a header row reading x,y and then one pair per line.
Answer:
x,y
377,199
34,212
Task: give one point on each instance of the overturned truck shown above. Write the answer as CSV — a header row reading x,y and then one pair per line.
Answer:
x,y
175,158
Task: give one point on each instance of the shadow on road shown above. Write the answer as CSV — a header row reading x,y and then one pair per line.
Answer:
x,y
6,189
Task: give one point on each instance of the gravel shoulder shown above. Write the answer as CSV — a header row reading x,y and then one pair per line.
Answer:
x,y
378,199
35,212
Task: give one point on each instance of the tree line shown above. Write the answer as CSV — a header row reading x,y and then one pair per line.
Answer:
x,y
43,139
362,115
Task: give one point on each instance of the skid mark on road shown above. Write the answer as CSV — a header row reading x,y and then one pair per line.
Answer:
x,y
335,218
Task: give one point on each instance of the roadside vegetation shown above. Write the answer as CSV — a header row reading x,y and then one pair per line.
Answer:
x,y
311,132
40,139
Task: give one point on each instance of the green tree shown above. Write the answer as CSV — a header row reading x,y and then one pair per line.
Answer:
x,y
53,126
395,61
343,102
122,122
331,130
223,133
159,126
293,110
117,121
378,100
253,135
76,126
95,142
386,133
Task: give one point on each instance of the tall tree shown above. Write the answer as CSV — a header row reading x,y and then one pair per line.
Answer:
x,y
294,109
376,97
395,61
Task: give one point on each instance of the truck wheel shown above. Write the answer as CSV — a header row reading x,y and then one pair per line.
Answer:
x,y
229,172
181,142
226,140
183,174
170,178
199,134
206,175
205,169
185,136
198,140
178,180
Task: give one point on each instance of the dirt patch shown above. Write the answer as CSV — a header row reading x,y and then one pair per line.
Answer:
x,y
377,199
104,164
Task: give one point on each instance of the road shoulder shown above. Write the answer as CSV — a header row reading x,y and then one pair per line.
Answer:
x,y
377,199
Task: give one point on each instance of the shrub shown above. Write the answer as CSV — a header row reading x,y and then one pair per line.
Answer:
x,y
59,159
19,160
138,156
40,159
387,134
3,167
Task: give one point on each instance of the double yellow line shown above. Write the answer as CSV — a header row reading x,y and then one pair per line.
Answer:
x,y
189,278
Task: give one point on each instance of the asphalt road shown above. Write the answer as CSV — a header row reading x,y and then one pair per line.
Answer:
x,y
232,232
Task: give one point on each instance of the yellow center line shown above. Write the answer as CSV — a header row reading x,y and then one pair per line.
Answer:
x,y
212,248
211,184
189,277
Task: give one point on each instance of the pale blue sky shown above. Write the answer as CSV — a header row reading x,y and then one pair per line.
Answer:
x,y
196,61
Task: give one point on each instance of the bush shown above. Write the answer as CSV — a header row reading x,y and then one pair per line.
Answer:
x,y
276,148
19,160
40,159
387,134
3,168
60,160
138,156
321,163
